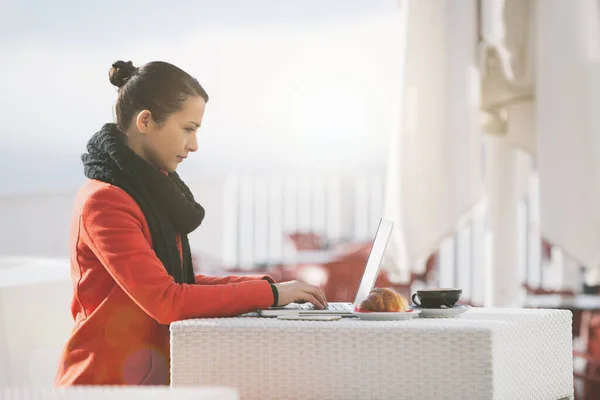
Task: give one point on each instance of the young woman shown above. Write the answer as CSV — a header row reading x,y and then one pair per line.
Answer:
x,y
130,258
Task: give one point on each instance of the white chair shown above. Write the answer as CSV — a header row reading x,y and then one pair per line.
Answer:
x,y
118,393
35,319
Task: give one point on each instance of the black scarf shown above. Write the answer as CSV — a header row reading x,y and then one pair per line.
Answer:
x,y
165,200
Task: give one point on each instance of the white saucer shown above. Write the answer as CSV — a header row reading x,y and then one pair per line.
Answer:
x,y
386,316
442,312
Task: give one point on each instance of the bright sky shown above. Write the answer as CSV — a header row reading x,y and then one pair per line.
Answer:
x,y
291,82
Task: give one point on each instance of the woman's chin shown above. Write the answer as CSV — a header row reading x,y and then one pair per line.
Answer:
x,y
168,168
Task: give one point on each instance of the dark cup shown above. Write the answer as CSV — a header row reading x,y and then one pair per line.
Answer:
x,y
436,298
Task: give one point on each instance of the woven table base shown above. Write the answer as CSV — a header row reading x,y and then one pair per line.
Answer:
x,y
487,354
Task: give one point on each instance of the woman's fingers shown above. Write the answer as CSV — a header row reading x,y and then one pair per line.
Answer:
x,y
312,299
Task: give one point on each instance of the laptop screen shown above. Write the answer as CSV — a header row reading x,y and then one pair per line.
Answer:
x,y
375,256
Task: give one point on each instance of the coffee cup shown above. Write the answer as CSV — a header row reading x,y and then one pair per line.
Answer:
x,y
436,298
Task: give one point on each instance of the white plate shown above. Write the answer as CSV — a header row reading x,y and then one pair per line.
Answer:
x,y
386,316
442,312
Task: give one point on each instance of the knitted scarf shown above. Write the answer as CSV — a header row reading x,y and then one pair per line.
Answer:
x,y
167,203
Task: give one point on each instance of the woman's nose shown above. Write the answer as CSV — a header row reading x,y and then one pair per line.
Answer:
x,y
192,144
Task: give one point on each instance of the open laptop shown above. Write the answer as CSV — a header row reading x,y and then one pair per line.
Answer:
x,y
367,282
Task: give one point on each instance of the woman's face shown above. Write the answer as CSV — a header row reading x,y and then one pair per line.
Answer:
x,y
168,143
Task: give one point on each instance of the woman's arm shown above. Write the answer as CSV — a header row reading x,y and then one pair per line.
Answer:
x,y
222,280
113,231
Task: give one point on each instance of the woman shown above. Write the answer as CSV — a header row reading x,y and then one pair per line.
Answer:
x,y
130,257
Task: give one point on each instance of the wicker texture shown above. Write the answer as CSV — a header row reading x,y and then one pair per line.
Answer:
x,y
487,354
118,393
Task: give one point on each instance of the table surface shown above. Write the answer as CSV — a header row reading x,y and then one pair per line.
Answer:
x,y
476,319
578,302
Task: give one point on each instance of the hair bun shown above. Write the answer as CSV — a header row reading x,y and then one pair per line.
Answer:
x,y
120,72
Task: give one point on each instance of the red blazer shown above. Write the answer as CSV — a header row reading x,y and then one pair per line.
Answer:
x,y
124,299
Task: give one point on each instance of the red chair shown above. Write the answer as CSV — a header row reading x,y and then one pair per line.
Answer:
x,y
590,375
344,275
306,241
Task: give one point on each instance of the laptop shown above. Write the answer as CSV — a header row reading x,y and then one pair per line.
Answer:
x,y
367,282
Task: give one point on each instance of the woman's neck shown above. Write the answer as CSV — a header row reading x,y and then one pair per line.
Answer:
x,y
134,142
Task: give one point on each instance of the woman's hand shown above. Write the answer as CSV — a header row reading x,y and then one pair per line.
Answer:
x,y
300,292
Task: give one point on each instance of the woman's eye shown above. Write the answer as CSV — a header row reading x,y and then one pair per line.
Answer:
x,y
190,130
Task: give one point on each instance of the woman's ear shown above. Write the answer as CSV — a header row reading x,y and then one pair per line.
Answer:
x,y
144,121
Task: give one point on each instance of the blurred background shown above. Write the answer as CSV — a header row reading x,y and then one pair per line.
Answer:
x,y
471,124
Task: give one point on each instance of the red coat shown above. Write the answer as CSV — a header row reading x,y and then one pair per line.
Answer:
x,y
124,300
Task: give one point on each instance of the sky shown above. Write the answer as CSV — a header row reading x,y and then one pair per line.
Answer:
x,y
292,84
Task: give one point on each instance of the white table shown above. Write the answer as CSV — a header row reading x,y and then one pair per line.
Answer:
x,y
485,354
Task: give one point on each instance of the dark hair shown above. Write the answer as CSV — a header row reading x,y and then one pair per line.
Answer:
x,y
158,86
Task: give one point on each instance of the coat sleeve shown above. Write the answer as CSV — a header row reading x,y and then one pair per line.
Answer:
x,y
221,280
113,230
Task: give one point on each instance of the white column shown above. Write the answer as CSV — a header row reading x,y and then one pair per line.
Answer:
x,y
503,283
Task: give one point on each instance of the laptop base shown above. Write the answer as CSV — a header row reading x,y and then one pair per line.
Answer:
x,y
341,309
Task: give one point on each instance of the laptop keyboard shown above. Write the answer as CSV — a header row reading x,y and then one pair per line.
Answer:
x,y
331,307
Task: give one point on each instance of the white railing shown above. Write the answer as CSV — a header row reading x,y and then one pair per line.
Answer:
x,y
260,210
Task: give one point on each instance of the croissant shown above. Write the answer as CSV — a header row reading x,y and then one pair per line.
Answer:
x,y
384,300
